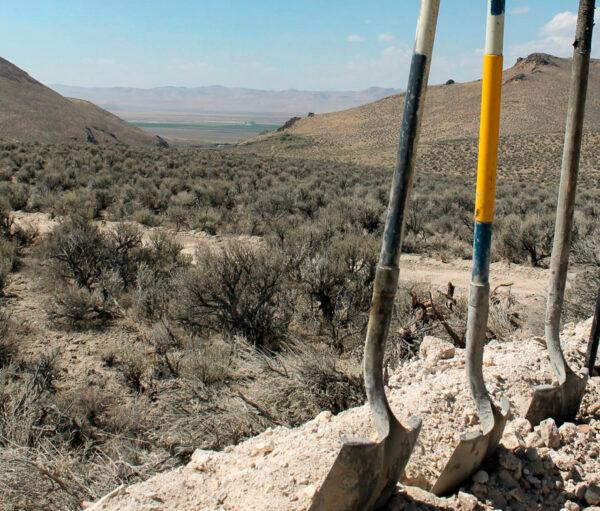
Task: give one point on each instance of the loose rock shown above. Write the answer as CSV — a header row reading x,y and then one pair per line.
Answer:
x,y
592,495
549,433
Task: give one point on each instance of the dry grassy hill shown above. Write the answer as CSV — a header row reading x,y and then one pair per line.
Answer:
x,y
31,112
534,106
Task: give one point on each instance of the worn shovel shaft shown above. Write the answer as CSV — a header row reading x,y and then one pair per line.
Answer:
x,y
559,262
489,134
474,447
414,101
592,349
386,279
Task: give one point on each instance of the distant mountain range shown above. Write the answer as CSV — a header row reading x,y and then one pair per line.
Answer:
x,y
223,100
31,112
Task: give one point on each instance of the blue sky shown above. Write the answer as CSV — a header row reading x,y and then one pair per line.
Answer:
x,y
269,44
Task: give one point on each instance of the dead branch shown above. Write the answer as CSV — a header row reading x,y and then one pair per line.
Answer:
x,y
458,340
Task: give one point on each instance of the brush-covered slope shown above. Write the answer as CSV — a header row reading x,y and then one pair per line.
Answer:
x,y
534,103
31,112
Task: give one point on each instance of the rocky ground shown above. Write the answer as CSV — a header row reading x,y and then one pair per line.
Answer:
x,y
546,467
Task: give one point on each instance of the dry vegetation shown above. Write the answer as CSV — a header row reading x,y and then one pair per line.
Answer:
x,y
119,357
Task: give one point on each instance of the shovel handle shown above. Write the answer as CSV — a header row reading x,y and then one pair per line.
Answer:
x,y
489,134
387,274
592,350
559,262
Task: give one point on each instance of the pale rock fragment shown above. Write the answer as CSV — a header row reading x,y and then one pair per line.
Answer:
x,y
568,433
521,427
534,440
549,433
434,350
511,441
467,501
200,459
592,495
481,477
263,448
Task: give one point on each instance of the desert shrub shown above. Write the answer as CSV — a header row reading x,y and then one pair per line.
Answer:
x,y
586,248
369,215
81,203
87,407
77,252
80,309
504,316
168,349
6,263
125,252
324,385
210,361
526,240
580,299
151,294
43,371
8,344
6,221
164,254
336,274
133,365
16,195
96,274
156,276
145,217
416,216
238,291
179,216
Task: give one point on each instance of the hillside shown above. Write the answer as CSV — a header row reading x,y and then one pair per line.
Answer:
x,y
533,106
31,112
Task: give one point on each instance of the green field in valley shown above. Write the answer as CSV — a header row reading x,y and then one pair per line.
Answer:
x,y
204,132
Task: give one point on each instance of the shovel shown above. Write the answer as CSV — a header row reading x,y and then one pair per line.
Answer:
x,y
592,349
365,474
473,448
562,402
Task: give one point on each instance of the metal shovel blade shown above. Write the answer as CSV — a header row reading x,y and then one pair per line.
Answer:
x,y
472,449
560,402
365,474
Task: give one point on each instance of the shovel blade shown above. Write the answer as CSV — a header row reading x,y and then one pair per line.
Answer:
x,y
365,474
471,451
560,402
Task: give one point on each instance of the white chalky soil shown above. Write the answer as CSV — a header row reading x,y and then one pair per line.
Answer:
x,y
282,468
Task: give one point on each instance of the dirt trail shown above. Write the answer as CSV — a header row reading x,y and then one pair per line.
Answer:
x,y
526,283
189,240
